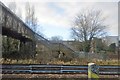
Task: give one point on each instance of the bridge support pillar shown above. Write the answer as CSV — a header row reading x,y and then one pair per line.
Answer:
x,y
32,49
22,49
93,71
27,49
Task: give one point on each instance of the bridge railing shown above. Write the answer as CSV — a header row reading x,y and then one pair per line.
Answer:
x,y
41,39
61,47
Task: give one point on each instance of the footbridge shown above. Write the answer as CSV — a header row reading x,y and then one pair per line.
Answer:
x,y
16,31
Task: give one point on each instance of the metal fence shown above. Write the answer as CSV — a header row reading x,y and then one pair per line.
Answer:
x,y
56,69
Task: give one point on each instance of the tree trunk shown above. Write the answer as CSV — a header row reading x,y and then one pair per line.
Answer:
x,y
87,46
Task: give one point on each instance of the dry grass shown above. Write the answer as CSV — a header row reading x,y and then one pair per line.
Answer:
x,y
25,61
81,61
85,62
73,62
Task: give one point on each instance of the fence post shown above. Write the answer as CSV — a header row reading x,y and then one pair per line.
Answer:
x,y
93,71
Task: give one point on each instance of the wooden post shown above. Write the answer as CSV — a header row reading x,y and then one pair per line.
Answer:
x,y
93,71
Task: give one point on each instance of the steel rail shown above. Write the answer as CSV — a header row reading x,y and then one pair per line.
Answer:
x,y
56,69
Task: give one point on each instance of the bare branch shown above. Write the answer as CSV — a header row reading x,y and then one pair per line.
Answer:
x,y
88,24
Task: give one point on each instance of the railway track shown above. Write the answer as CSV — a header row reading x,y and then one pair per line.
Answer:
x,y
56,69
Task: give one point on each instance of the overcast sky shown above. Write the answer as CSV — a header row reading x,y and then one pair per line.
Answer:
x,y
55,17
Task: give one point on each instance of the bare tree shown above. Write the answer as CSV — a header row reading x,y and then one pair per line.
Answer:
x,y
87,25
18,13
56,38
30,19
12,6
